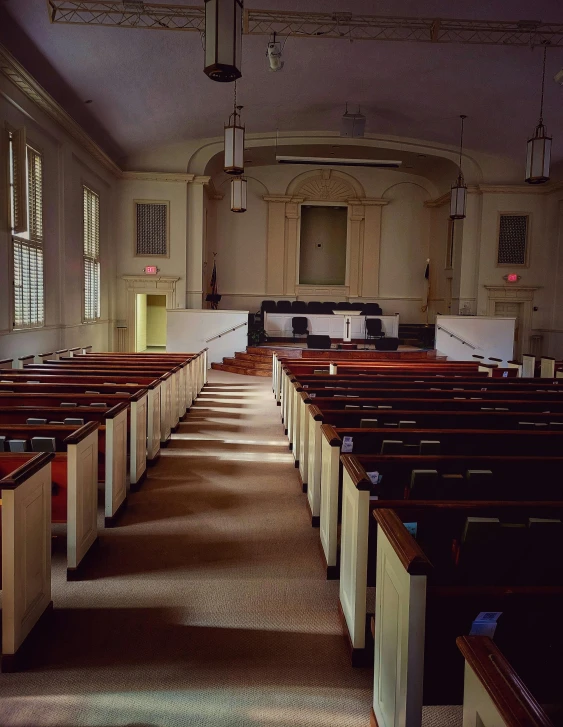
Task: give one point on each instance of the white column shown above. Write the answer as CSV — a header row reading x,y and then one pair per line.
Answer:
x,y
195,242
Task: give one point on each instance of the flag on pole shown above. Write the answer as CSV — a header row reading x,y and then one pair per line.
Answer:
x,y
213,286
426,294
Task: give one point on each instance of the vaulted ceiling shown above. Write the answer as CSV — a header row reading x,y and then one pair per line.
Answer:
x,y
147,87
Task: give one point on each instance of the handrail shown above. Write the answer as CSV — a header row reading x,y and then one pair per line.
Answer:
x,y
224,333
458,338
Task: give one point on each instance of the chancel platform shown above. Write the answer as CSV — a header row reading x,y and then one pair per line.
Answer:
x,y
279,325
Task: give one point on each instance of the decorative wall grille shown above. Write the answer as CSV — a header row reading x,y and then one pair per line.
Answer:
x,y
512,240
151,228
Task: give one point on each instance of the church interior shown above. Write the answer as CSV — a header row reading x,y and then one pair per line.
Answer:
x,y
228,228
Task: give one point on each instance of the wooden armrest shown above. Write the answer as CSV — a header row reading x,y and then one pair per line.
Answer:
x,y
115,410
508,692
23,473
138,395
357,473
405,546
81,433
331,435
316,413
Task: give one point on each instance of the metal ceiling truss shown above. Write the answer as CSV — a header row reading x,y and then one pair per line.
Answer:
x,y
345,26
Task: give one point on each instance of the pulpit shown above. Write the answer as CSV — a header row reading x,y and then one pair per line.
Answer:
x,y
347,322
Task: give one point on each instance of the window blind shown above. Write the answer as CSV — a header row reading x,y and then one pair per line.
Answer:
x,y
26,197
28,283
18,180
91,255
35,194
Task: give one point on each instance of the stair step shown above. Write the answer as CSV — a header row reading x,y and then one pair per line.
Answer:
x,y
240,370
248,364
243,356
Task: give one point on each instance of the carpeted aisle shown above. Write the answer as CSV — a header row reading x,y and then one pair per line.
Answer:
x,y
208,604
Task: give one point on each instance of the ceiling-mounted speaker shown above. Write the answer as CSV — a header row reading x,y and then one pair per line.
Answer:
x,y
352,126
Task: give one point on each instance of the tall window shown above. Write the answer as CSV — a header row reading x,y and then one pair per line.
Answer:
x,y
91,255
26,222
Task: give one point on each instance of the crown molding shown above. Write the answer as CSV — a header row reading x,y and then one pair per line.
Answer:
x,y
25,82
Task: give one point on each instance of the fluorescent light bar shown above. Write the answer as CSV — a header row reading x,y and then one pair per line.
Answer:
x,y
335,162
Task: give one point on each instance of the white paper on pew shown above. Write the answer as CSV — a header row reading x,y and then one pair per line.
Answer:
x,y
347,445
488,616
305,386
375,477
483,628
485,624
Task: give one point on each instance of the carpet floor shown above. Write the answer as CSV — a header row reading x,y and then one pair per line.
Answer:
x,y
208,604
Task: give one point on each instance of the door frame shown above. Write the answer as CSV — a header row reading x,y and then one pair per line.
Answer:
x,y
151,286
514,294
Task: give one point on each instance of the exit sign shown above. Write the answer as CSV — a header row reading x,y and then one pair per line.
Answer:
x,y
512,277
151,270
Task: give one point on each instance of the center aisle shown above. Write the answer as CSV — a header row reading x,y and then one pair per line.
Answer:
x,y
270,649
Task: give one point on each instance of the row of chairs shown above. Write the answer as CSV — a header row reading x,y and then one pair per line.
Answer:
x,y
316,307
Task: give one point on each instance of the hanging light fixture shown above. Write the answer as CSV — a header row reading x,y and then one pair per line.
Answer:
x,y
238,194
223,39
458,194
539,146
234,141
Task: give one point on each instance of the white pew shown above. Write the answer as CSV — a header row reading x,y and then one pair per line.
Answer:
x,y
400,609
493,693
26,551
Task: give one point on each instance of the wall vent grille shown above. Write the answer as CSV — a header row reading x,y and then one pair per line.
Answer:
x,y
512,240
151,223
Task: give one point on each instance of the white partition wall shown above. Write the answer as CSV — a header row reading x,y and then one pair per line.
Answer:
x,y
461,337
223,332
278,325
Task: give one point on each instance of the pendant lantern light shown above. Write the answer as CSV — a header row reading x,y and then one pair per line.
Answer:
x,y
234,141
539,146
223,39
238,194
458,194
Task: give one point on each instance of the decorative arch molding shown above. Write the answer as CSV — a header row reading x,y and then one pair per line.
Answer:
x,y
330,185
413,184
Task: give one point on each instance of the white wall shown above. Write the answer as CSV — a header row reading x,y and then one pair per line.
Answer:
x,y
156,320
66,167
174,264
482,336
141,322
190,331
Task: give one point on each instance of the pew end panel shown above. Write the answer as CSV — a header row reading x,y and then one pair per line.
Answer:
x,y
297,404
354,561
153,424
26,552
82,517
115,495
402,570
138,442
493,693
314,466
304,440
330,480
